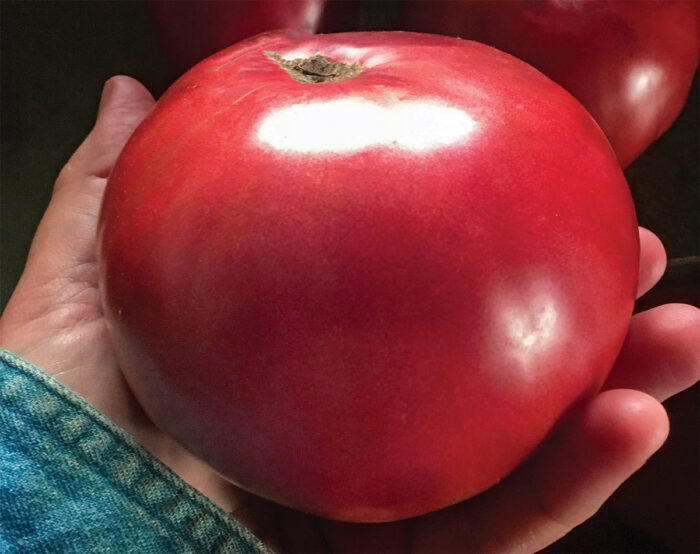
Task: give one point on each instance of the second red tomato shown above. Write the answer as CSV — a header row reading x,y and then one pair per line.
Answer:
x,y
629,63
191,30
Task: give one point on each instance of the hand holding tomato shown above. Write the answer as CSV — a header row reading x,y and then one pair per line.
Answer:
x,y
54,320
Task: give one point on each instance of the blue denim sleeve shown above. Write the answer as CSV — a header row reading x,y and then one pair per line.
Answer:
x,y
73,482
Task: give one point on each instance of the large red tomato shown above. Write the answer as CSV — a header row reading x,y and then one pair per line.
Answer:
x,y
191,30
366,287
629,63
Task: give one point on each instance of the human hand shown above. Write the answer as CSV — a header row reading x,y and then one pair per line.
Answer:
x,y
54,320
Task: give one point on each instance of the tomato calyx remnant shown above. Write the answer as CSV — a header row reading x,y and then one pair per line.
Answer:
x,y
317,69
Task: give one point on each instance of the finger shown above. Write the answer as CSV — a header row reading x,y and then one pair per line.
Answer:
x,y
560,487
60,265
661,353
123,105
652,260
65,237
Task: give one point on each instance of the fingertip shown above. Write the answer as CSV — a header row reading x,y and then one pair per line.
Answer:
x,y
124,104
564,483
661,353
652,260
121,90
616,434
625,423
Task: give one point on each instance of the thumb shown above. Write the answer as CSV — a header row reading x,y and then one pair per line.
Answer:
x,y
123,105
65,238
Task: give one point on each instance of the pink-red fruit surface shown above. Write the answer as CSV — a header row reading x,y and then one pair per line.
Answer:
x,y
372,297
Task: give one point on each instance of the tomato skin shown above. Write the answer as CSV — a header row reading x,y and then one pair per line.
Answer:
x,y
191,30
355,314
630,64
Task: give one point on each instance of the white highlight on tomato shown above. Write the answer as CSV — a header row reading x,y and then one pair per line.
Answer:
x,y
312,14
353,124
644,78
528,316
531,327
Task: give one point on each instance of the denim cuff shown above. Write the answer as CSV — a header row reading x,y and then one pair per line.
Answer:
x,y
72,481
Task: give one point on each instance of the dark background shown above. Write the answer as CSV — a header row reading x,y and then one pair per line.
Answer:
x,y
55,57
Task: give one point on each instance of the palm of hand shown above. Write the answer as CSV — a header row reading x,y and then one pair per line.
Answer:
x,y
54,320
